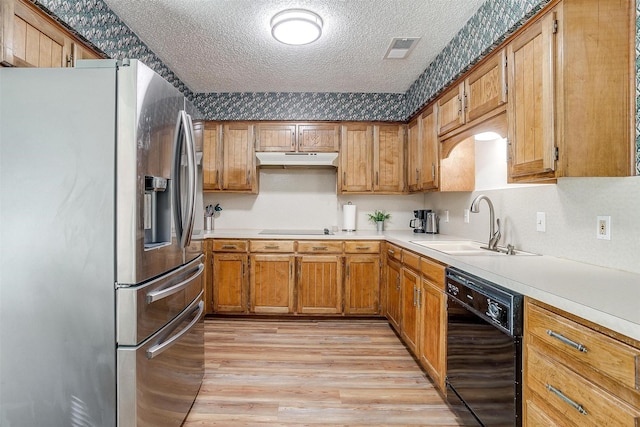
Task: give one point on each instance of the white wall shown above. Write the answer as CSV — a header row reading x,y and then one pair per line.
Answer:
x,y
306,199
571,208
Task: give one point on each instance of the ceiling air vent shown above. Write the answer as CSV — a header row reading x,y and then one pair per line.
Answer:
x,y
401,47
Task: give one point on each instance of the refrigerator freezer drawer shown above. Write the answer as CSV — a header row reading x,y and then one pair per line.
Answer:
x,y
159,380
142,310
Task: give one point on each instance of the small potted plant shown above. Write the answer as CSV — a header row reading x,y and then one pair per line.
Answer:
x,y
378,218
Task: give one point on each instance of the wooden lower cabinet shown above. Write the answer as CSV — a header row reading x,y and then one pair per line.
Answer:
x,y
393,292
576,373
432,346
410,284
362,284
271,284
230,283
319,284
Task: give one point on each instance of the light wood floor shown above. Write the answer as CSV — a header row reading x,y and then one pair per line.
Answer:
x,y
314,373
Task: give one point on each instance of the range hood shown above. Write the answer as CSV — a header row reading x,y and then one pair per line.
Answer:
x,y
271,159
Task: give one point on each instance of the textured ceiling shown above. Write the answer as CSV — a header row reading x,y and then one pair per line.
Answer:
x,y
226,45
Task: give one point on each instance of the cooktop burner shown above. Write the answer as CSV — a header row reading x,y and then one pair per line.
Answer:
x,y
298,232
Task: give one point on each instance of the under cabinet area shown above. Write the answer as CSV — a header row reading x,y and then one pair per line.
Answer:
x,y
577,373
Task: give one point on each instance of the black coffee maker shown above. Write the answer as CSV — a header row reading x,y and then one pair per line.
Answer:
x,y
425,221
419,223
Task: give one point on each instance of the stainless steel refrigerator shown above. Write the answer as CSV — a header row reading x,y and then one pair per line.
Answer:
x,y
101,307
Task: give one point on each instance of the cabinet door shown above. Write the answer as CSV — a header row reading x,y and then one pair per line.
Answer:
x,y
531,58
272,282
229,283
430,152
319,138
238,158
362,284
320,284
410,284
279,137
211,156
414,155
392,285
388,158
37,42
433,336
485,87
450,109
356,158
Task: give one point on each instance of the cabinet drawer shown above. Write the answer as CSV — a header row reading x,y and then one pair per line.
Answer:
x,y
578,400
411,260
433,271
271,246
362,247
320,246
230,245
536,417
582,345
393,252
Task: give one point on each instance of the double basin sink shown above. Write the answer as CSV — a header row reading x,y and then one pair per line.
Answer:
x,y
466,247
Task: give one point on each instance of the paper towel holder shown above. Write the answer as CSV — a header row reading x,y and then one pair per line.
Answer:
x,y
349,223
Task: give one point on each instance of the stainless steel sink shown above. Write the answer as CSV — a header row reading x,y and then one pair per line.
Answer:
x,y
465,247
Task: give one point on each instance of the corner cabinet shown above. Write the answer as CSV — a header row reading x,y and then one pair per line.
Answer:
x,y
571,107
423,151
229,158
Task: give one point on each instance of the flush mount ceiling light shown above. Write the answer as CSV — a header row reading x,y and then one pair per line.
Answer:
x,y
296,26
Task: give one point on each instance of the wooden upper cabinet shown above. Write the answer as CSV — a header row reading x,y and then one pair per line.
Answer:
x,y
414,156
531,57
319,138
388,158
429,156
238,158
450,109
355,174
211,156
571,106
280,137
485,88
292,137
30,38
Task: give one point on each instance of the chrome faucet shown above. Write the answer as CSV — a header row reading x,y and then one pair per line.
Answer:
x,y
494,235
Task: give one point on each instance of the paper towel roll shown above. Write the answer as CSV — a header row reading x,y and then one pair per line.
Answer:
x,y
349,217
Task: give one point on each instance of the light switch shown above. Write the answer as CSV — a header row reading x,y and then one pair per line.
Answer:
x,y
541,222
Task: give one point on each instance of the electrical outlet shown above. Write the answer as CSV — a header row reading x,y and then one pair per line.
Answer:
x,y
541,222
466,216
446,215
603,230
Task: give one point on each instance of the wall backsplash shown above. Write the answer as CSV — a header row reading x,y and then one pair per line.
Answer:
x,y
571,208
306,199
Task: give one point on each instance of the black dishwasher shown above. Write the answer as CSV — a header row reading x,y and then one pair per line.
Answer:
x,y
484,349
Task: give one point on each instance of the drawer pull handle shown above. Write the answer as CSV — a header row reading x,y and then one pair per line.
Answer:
x,y
319,248
567,341
363,248
272,247
561,395
391,251
229,247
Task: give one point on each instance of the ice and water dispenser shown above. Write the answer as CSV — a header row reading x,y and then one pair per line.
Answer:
x,y
157,212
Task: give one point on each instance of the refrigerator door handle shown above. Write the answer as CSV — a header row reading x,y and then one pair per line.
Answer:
x,y
193,177
184,220
164,293
158,349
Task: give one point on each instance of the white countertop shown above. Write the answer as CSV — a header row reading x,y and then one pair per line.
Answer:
x,y
601,295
